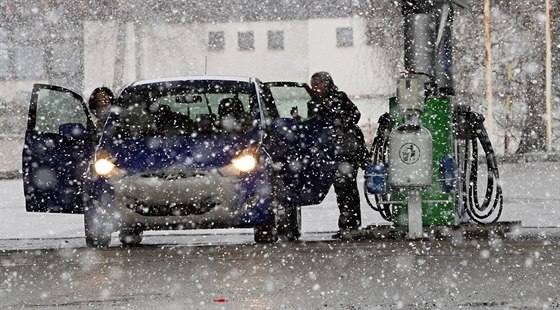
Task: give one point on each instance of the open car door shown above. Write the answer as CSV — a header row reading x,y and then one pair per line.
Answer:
x,y
58,150
305,144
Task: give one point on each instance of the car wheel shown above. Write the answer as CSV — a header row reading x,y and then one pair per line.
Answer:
x,y
266,233
97,228
130,236
289,223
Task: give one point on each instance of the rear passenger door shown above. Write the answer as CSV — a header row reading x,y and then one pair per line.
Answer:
x,y
57,152
303,144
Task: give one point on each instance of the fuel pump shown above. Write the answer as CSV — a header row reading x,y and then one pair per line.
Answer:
x,y
410,151
424,168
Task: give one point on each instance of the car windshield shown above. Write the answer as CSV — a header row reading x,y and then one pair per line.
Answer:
x,y
186,108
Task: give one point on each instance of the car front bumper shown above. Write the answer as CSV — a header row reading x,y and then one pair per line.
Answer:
x,y
186,200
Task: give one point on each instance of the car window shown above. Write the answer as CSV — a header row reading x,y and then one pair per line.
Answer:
x,y
208,103
163,109
291,101
55,108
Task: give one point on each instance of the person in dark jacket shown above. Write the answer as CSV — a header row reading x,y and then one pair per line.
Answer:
x,y
350,148
99,104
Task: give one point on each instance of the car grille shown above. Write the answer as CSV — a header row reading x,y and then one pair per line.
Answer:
x,y
175,175
199,208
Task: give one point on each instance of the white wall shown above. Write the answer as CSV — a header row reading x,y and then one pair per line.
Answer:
x,y
17,91
309,46
357,70
99,55
130,73
170,49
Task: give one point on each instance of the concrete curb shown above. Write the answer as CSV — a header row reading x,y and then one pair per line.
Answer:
x,y
529,158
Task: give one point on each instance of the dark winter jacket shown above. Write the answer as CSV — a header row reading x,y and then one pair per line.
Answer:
x,y
348,137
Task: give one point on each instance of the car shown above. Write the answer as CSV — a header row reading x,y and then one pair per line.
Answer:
x,y
192,152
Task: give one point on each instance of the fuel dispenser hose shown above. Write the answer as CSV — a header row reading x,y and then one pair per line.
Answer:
x,y
471,132
492,205
379,156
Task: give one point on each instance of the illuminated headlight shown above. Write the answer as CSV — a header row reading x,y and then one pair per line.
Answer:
x,y
104,166
245,162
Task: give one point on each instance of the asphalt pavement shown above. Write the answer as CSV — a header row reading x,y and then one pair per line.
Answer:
x,y
44,262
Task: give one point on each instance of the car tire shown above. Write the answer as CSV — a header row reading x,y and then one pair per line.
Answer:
x,y
284,219
289,223
130,236
267,233
288,214
97,228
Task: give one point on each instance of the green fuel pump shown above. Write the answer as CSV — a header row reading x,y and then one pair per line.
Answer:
x,y
438,207
424,169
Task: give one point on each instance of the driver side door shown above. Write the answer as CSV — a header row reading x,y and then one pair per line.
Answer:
x,y
303,144
57,152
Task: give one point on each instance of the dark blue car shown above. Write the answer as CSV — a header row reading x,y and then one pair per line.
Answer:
x,y
190,152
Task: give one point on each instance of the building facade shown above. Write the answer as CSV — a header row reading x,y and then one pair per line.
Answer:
x,y
81,45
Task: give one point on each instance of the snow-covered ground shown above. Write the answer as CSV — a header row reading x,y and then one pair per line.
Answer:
x,y
530,195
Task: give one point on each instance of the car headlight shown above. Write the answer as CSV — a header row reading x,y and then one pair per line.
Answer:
x,y
247,160
104,166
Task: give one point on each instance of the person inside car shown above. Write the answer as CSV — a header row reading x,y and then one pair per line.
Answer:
x,y
232,116
350,148
295,114
99,104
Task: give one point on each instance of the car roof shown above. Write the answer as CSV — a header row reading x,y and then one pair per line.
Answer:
x,y
196,78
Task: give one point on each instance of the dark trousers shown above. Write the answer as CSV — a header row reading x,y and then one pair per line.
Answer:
x,y
347,195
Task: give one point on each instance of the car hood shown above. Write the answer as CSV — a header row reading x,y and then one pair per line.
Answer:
x,y
155,153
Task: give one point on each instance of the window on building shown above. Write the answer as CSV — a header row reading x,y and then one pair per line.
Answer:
x,y
216,41
41,50
29,62
374,36
344,37
246,40
276,40
22,52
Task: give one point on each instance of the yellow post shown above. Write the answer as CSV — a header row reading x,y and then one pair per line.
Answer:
x,y
508,109
548,79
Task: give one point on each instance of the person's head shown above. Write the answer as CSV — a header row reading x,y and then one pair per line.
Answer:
x,y
100,102
322,84
294,112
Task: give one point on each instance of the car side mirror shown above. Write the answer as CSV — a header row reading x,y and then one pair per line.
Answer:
x,y
72,130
